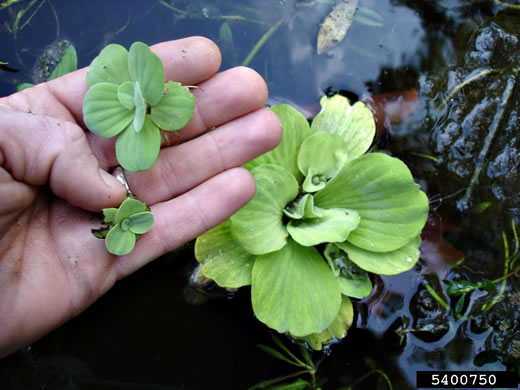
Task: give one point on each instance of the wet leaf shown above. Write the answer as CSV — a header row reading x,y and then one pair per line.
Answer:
x,y
128,207
120,242
147,70
224,261
22,86
460,287
384,263
353,280
337,329
140,223
293,290
381,189
355,123
175,109
334,225
103,114
67,64
336,24
125,94
257,226
302,207
225,33
110,66
295,130
138,151
109,215
324,153
140,108
277,354
298,384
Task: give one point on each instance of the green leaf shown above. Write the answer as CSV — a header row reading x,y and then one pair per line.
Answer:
x,y
147,69
224,261
140,108
293,290
278,355
67,64
337,329
295,130
175,109
125,94
257,226
385,263
109,215
381,189
120,242
460,287
22,86
353,281
140,223
110,66
128,208
103,114
298,384
354,123
333,226
225,33
324,154
138,151
302,207
314,182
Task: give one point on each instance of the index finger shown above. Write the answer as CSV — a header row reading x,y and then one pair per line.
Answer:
x,y
188,61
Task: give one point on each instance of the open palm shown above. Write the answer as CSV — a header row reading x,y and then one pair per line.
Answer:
x,y
54,182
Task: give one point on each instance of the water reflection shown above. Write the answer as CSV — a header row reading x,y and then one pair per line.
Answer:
x,y
424,49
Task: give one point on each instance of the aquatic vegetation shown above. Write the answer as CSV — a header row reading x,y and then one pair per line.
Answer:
x,y
324,215
129,97
308,367
58,59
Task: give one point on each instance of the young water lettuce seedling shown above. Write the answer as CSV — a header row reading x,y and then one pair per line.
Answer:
x,y
128,97
125,224
323,216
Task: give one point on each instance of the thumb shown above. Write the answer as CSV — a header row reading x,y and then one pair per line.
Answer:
x,y
38,150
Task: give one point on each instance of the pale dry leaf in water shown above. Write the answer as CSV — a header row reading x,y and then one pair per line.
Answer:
x,y
336,25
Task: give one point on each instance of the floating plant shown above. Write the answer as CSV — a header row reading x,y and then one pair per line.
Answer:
x,y
129,98
324,215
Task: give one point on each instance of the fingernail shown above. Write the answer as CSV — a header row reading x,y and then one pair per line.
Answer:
x,y
110,180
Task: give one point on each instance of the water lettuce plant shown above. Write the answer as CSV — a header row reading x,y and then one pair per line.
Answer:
x,y
129,97
125,225
324,215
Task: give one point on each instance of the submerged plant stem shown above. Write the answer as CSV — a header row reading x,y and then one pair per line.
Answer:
x,y
261,42
437,297
458,87
507,5
178,10
511,81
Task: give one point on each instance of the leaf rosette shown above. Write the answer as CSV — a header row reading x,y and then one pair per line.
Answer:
x,y
325,214
125,225
129,98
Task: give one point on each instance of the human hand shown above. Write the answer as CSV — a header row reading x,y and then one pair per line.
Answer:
x,y
54,176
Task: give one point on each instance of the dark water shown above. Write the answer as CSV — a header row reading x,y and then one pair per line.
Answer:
x,y
144,335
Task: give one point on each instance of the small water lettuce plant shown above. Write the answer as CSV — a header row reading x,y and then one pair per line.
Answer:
x,y
124,225
128,97
325,214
